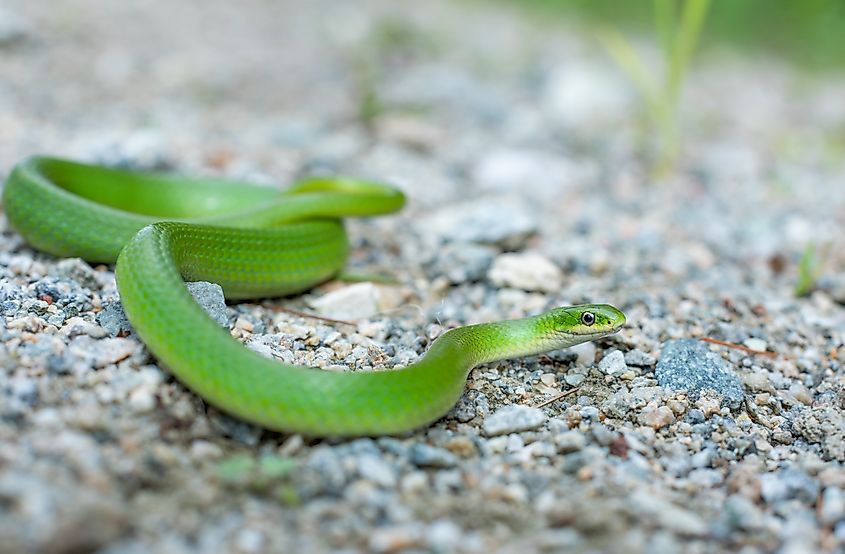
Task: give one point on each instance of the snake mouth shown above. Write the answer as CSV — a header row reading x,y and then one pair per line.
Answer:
x,y
619,324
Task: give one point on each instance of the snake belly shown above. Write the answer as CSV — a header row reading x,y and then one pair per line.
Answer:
x,y
256,242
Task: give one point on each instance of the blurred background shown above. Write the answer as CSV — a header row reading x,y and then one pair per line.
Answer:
x,y
805,34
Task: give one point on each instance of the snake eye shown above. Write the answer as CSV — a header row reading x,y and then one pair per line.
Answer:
x,y
588,318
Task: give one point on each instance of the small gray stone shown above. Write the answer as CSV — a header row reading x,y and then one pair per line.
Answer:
x,y
638,358
329,472
695,416
574,379
833,506
740,513
373,468
464,410
512,419
113,319
788,484
104,352
77,270
590,412
613,363
424,455
570,441
210,298
238,430
444,535
57,318
602,434
687,364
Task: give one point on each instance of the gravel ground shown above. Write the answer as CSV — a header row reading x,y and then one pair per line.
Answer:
x,y
521,150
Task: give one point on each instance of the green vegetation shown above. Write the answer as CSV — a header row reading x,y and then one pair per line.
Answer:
x,y
678,35
810,33
809,271
268,474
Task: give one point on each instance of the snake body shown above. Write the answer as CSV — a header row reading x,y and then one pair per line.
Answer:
x,y
255,241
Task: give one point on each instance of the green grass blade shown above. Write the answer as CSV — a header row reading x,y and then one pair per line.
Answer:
x,y
621,50
692,20
664,23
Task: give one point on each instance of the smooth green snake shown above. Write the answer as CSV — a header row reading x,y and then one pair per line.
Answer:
x,y
255,242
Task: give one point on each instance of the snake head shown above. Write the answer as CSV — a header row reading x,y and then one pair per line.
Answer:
x,y
587,321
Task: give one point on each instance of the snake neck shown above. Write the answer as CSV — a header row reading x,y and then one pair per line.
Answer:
x,y
490,342
502,340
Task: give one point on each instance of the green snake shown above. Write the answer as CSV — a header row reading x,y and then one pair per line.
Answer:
x,y
256,241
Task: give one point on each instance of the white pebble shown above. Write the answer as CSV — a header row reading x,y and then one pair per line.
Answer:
x,y
512,419
756,344
527,271
142,400
613,363
358,301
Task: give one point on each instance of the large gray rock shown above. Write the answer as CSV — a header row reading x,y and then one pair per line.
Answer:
x,y
687,364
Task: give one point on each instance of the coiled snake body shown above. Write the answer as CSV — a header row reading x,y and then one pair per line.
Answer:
x,y
255,242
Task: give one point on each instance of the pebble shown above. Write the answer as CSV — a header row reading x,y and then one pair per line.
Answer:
x,y
758,381
113,319
708,404
740,513
688,365
358,301
788,484
570,441
210,298
638,358
669,515
832,508
103,352
444,535
423,455
375,469
513,419
527,270
656,416
574,379
465,410
613,363
586,353
79,271
756,344
142,400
